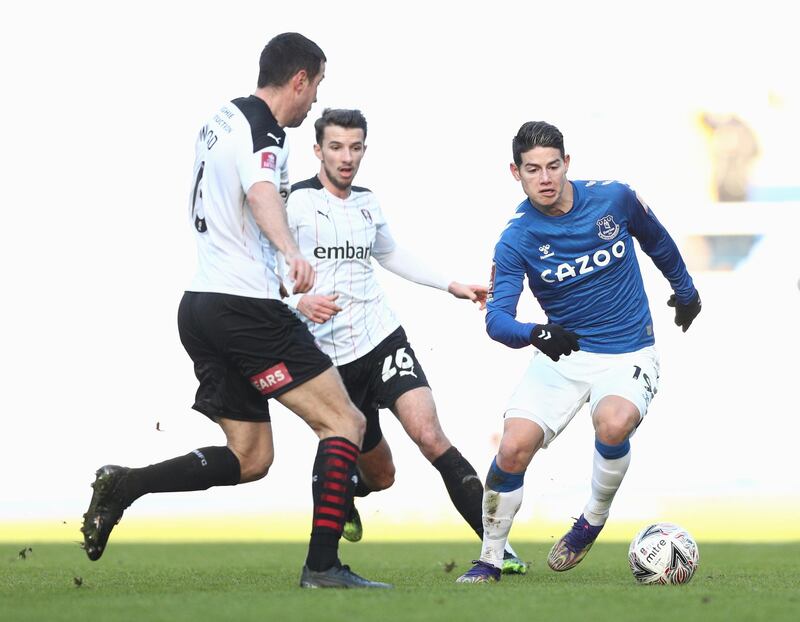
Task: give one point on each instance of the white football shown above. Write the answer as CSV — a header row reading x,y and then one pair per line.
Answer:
x,y
663,553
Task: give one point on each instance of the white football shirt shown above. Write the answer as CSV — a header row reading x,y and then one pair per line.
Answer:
x,y
240,145
339,237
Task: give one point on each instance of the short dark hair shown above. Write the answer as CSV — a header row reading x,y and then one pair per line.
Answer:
x,y
536,134
342,117
285,55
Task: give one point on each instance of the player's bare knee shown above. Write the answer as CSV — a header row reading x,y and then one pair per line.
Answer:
x,y
432,443
514,456
357,423
348,422
254,467
255,472
616,428
383,480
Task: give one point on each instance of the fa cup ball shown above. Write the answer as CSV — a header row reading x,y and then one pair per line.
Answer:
x,y
663,553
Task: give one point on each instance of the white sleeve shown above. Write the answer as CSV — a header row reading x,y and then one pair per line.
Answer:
x,y
384,242
268,164
398,260
294,207
293,300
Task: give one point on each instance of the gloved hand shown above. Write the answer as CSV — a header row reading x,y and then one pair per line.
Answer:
x,y
554,341
685,313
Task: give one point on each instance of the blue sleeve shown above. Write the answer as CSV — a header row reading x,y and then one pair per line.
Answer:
x,y
507,282
656,242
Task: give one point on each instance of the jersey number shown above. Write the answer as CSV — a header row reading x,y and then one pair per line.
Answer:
x,y
637,371
197,207
403,363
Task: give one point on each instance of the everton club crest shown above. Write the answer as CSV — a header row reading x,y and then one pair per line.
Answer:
x,y
608,228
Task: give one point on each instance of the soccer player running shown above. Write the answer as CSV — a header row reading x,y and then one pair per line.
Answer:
x,y
343,227
247,346
574,242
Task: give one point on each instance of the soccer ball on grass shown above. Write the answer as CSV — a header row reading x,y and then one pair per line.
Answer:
x,y
663,553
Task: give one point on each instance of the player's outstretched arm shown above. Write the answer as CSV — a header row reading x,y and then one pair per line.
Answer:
x,y
657,243
475,293
399,261
318,308
685,313
270,216
506,282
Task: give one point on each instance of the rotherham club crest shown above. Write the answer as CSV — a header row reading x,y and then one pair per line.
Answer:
x,y
608,228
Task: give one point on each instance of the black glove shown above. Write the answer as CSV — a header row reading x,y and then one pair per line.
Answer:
x,y
554,341
685,313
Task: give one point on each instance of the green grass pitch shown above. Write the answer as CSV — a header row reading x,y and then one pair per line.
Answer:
x,y
242,582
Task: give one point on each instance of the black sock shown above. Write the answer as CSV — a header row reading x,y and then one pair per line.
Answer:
x,y
362,490
333,481
197,470
464,487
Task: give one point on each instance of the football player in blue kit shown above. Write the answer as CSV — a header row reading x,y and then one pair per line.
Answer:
x,y
573,240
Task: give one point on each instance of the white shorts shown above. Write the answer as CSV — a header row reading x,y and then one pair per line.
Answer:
x,y
551,393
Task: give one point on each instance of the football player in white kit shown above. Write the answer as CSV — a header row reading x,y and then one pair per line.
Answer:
x,y
246,345
341,228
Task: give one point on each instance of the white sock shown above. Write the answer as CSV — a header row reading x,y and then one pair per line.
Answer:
x,y
499,509
607,475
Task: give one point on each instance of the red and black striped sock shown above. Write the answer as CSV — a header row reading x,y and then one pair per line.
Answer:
x,y
333,482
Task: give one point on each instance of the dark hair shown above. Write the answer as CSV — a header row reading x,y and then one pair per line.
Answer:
x,y
341,117
285,55
536,134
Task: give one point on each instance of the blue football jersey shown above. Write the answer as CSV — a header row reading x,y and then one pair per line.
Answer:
x,y
582,269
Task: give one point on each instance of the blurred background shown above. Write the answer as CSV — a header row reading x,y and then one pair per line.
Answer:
x,y
698,108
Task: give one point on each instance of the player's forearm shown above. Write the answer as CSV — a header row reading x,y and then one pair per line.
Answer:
x,y
678,276
657,243
270,216
503,327
403,264
667,258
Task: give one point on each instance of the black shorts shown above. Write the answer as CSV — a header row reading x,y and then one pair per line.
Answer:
x,y
378,378
245,351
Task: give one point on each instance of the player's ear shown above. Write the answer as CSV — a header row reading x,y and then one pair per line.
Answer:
x,y
318,151
566,162
514,171
299,81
